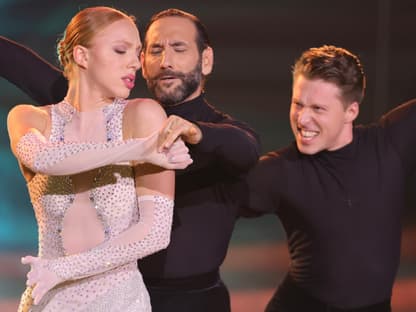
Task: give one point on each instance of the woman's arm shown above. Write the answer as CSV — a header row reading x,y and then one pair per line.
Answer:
x,y
27,124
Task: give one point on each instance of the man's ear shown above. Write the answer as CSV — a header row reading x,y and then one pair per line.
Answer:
x,y
80,55
352,112
207,61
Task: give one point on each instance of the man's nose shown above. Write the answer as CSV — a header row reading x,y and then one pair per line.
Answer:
x,y
304,116
166,60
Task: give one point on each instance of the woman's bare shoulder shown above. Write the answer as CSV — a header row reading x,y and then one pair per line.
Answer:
x,y
144,116
28,113
145,108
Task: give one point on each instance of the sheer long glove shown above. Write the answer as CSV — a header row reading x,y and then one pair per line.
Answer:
x,y
66,158
150,234
40,277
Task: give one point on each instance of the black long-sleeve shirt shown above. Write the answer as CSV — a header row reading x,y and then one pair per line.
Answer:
x,y
203,222
342,209
24,68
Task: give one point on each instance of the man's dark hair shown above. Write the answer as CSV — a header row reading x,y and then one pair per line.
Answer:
x,y
336,65
202,39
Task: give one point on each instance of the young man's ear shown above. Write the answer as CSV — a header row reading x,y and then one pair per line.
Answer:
x,y
80,55
207,61
352,112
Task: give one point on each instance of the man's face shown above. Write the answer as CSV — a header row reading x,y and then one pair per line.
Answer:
x,y
172,64
318,117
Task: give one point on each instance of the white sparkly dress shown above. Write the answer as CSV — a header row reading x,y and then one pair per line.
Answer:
x,y
103,277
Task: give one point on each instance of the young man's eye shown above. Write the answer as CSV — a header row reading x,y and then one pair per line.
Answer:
x,y
297,105
119,51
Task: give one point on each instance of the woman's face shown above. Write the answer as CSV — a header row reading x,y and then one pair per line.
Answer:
x,y
113,59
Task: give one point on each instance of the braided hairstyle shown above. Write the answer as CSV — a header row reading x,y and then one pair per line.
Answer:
x,y
81,30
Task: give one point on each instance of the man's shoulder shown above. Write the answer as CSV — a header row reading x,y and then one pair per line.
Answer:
x,y
284,153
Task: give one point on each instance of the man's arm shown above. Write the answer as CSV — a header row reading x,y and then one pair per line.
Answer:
x,y
228,142
232,143
32,74
400,124
217,138
259,191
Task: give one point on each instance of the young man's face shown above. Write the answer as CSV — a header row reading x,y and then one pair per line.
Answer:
x,y
318,117
172,65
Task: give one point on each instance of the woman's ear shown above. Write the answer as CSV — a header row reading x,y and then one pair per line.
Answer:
x,y
80,55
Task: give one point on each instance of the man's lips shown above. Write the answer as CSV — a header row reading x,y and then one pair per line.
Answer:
x,y
308,133
167,77
168,81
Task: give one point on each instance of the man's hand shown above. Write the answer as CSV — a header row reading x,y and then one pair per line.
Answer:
x,y
176,127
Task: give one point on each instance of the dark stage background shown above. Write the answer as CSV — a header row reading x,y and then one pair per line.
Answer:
x,y
255,44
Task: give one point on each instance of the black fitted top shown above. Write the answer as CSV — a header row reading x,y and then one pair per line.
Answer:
x,y
342,209
203,221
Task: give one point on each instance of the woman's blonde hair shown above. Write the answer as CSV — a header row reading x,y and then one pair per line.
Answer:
x,y
82,28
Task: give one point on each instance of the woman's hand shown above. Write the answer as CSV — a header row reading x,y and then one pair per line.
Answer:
x,y
176,156
40,277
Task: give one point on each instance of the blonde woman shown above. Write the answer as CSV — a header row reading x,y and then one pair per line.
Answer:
x,y
94,174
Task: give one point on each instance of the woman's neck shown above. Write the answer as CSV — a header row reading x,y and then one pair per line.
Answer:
x,y
86,100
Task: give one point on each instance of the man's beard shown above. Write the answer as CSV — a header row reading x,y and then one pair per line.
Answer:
x,y
189,83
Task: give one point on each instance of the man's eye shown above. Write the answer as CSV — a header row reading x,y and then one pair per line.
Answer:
x,y
120,51
155,52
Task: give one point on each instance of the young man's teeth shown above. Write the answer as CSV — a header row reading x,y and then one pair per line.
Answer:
x,y
308,134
